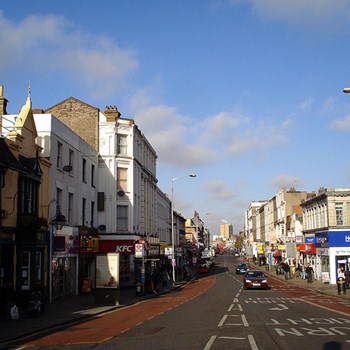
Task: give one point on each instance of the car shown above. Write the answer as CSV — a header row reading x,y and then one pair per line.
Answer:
x,y
241,268
255,279
203,266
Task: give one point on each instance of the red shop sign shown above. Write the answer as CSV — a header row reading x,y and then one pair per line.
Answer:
x,y
308,248
113,246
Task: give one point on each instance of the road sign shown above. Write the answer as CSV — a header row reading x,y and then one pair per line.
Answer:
x,y
138,250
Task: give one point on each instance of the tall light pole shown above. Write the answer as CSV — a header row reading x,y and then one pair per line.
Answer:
x,y
173,259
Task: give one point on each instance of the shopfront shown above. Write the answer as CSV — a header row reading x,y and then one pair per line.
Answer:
x,y
126,250
65,262
308,255
339,252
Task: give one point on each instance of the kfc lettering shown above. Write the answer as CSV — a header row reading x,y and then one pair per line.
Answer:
x,y
122,246
124,249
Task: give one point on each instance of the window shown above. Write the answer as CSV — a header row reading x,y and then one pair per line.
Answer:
x,y
122,218
70,208
122,145
38,270
122,179
58,197
25,271
71,160
83,211
100,201
92,210
59,155
92,175
29,196
339,214
84,171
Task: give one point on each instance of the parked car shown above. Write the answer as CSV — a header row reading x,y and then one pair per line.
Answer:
x,y
255,279
241,268
202,266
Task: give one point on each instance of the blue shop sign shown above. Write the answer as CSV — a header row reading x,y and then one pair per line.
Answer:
x,y
322,239
339,238
310,239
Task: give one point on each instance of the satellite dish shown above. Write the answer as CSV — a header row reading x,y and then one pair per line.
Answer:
x,y
67,168
121,193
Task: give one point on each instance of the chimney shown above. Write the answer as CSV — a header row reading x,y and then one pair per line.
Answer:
x,y
112,113
3,101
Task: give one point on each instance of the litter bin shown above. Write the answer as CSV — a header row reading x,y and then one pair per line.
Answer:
x,y
341,285
107,296
139,289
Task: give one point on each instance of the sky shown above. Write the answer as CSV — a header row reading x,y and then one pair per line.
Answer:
x,y
246,94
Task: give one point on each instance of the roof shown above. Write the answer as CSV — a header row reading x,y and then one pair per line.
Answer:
x,y
7,159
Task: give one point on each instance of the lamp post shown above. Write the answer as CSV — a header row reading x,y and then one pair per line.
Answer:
x,y
58,222
173,260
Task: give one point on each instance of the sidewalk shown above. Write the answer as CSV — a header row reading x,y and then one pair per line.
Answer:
x,y
68,310
317,286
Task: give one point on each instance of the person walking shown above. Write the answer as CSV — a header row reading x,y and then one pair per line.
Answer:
x,y
165,277
309,271
347,278
155,281
286,269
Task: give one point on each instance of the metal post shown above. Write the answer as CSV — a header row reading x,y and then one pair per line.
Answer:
x,y
173,260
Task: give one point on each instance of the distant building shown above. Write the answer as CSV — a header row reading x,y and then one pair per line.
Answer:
x,y
326,229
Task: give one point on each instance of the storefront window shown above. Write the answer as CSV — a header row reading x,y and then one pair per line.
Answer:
x,y
25,269
124,264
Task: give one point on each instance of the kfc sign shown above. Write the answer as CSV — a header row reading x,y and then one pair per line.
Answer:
x,y
114,246
124,249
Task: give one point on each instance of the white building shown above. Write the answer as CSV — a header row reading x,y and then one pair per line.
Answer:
x,y
326,228
73,193
127,190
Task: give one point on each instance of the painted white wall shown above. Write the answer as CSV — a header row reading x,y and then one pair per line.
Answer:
x,y
50,132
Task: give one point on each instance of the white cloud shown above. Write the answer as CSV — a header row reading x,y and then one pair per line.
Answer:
x,y
218,190
306,12
258,137
174,136
181,141
342,124
306,103
48,44
286,181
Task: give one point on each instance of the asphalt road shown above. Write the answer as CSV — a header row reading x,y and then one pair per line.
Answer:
x,y
215,312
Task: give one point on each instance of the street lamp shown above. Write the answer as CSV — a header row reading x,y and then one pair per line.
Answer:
x,y
346,90
58,222
173,260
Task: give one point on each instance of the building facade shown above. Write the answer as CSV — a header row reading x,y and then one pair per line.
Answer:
x,y
24,228
326,230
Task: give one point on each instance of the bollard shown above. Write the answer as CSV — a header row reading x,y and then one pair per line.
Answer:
x,y
139,289
341,285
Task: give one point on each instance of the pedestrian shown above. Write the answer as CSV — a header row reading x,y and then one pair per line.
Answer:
x,y
286,269
155,281
165,277
347,278
303,273
309,271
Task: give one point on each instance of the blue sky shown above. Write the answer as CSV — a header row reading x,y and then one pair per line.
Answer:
x,y
247,94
